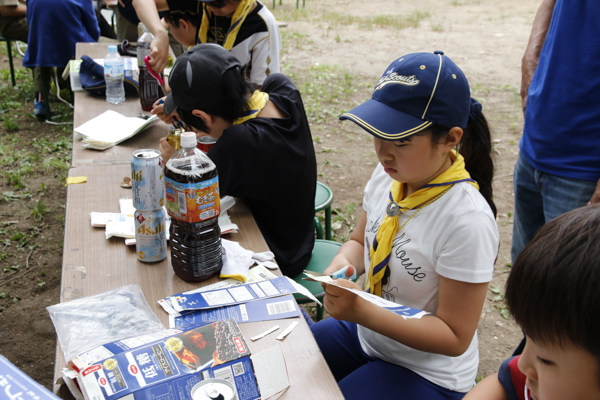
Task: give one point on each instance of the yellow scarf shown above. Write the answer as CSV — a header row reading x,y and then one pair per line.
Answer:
x,y
382,245
257,102
239,16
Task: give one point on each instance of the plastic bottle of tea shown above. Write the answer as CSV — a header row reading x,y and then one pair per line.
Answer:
x,y
193,202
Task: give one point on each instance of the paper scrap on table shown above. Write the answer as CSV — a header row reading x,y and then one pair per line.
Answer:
x,y
322,279
404,311
126,206
287,331
99,218
256,274
281,307
111,128
304,291
120,225
271,371
75,179
265,333
225,224
235,295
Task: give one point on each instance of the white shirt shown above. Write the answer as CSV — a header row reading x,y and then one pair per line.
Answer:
x,y
456,237
260,51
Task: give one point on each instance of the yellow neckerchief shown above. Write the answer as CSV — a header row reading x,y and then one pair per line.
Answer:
x,y
382,245
239,16
257,102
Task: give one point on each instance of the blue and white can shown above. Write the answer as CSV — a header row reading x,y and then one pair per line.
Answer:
x,y
150,235
148,185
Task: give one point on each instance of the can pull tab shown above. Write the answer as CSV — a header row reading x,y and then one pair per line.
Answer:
x,y
213,393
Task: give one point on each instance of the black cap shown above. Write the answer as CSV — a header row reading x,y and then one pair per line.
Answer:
x,y
195,79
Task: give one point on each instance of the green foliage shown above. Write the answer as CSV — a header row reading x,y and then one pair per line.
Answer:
x,y
500,301
325,91
342,217
38,209
410,20
11,125
12,268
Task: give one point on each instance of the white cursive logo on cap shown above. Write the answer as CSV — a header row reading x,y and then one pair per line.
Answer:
x,y
399,79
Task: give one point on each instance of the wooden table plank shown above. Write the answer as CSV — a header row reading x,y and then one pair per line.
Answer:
x,y
88,106
93,264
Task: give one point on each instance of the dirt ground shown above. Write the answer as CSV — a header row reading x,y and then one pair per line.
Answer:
x,y
485,38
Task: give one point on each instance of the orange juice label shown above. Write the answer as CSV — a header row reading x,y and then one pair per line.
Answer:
x,y
193,202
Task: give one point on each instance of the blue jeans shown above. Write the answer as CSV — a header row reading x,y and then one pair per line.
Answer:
x,y
363,377
541,197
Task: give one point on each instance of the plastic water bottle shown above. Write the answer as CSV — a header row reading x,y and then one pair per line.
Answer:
x,y
193,202
113,75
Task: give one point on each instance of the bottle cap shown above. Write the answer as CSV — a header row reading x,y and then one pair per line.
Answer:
x,y
112,48
188,139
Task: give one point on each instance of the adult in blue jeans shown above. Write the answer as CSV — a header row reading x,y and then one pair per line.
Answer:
x,y
558,168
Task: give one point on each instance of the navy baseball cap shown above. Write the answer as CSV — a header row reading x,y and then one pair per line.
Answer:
x,y
416,91
195,79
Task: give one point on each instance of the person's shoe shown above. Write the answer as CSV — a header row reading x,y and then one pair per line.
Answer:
x,y
39,110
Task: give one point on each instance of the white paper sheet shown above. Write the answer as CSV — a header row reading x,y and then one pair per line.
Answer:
x,y
111,128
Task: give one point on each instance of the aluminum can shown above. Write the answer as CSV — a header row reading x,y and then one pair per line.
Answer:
x,y
174,137
147,180
205,143
213,388
150,235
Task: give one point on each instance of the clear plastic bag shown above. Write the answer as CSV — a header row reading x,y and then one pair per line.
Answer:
x,y
89,322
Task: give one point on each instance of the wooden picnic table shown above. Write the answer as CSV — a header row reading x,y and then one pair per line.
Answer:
x,y
93,264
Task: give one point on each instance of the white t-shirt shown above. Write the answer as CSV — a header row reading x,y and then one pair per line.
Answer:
x,y
260,51
257,44
456,237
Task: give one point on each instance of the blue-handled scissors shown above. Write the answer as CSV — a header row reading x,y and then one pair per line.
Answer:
x,y
339,274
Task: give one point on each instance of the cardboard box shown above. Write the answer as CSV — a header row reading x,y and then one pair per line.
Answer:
x,y
167,368
16,385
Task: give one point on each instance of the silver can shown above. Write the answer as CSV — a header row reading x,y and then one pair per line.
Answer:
x,y
150,235
148,185
210,389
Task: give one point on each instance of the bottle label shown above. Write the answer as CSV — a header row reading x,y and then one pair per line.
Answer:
x,y
113,69
193,202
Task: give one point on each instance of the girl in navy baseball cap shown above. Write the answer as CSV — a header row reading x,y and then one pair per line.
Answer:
x,y
426,241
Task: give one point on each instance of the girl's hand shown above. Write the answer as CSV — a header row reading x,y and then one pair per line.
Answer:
x,y
166,150
342,304
348,272
333,268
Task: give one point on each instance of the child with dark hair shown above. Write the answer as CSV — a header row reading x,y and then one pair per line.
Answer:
x,y
184,21
427,239
264,153
246,28
553,292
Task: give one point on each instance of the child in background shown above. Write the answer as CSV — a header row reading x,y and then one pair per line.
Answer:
x,y
264,147
553,293
184,23
427,239
246,28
